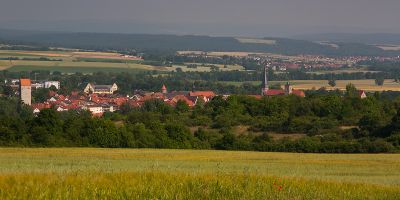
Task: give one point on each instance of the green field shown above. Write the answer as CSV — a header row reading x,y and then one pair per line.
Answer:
x,y
80,173
367,84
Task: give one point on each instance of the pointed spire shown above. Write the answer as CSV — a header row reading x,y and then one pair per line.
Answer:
x,y
193,87
164,89
264,88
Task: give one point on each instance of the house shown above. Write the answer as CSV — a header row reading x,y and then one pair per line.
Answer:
x,y
96,110
36,85
362,94
37,107
48,84
100,89
205,95
183,98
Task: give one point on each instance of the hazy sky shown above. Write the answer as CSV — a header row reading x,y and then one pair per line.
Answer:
x,y
215,17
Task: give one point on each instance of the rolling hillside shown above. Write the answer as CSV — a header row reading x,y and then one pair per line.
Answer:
x,y
172,43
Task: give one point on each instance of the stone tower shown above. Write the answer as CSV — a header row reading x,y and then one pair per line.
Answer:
x,y
25,91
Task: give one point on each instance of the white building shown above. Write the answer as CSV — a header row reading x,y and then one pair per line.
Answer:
x,y
94,109
100,89
48,84
37,85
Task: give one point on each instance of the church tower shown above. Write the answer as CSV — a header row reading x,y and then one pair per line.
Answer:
x,y
288,89
164,89
264,88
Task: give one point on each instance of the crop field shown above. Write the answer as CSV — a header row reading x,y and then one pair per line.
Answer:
x,y
84,62
256,41
367,84
207,67
88,173
22,65
389,47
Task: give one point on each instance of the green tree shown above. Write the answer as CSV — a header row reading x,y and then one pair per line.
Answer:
x,y
332,82
379,80
181,106
351,90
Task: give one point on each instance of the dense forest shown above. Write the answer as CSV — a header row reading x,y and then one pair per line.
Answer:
x,y
171,43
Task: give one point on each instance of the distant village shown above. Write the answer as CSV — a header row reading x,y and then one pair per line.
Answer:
x,y
99,99
278,62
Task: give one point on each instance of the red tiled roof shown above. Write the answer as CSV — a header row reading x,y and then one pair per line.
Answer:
x,y
182,98
40,106
25,82
274,92
202,93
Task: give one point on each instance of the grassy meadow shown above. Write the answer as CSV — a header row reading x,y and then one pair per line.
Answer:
x,y
86,173
367,84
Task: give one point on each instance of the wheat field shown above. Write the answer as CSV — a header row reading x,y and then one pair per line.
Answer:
x,y
90,173
365,84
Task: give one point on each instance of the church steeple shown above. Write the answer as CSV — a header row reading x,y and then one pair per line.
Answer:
x,y
164,89
264,88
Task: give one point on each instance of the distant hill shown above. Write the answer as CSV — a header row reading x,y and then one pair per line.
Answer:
x,y
172,43
377,38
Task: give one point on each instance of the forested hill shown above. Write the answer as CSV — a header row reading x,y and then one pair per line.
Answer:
x,y
171,43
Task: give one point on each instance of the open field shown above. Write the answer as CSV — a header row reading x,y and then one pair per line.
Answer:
x,y
339,71
221,53
367,84
256,40
22,65
70,61
84,173
327,43
389,47
65,54
201,67
85,62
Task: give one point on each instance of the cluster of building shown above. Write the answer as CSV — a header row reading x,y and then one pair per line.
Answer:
x,y
284,63
99,99
14,83
279,62
288,90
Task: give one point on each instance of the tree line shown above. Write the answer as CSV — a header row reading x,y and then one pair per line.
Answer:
x,y
331,122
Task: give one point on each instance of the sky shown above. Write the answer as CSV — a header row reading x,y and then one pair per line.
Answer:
x,y
204,17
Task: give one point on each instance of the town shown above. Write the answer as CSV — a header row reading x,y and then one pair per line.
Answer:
x,y
99,99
